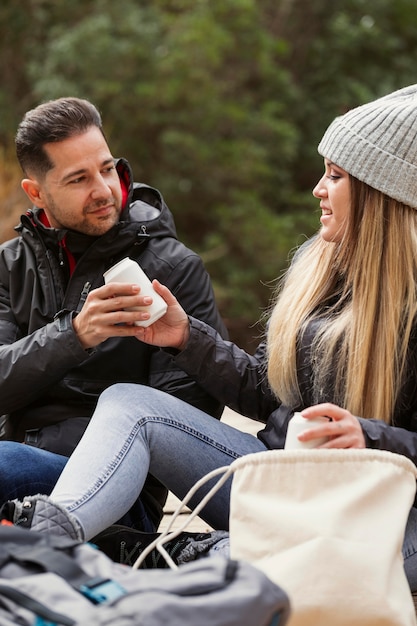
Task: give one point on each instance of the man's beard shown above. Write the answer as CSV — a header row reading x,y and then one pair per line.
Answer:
x,y
85,224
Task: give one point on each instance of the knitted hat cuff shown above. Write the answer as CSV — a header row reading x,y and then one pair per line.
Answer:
x,y
377,144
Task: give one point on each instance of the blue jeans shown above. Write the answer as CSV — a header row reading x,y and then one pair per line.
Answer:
x,y
410,550
137,429
25,470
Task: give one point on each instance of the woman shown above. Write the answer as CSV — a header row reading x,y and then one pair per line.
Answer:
x,y
342,333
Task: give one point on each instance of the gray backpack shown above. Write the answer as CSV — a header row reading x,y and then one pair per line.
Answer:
x,y
54,581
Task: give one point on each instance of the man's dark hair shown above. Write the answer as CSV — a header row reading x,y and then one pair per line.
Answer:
x,y
49,122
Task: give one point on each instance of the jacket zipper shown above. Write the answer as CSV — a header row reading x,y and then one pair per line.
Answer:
x,y
33,231
83,297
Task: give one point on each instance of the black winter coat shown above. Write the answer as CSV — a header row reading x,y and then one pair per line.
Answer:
x,y
239,380
47,380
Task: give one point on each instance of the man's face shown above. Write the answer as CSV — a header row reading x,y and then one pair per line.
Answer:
x,y
82,191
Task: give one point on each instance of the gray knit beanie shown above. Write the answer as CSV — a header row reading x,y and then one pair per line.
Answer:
x,y
377,143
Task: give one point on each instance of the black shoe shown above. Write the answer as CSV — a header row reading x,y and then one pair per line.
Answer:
x,y
16,513
124,545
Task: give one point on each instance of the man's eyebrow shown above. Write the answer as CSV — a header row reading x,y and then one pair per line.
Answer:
x,y
81,171
73,174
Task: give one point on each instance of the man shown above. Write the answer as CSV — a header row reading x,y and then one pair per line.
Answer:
x,y
64,335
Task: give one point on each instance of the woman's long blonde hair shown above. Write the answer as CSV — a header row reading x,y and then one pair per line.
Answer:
x,y
365,289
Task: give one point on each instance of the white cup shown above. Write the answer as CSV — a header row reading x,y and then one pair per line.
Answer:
x,y
299,424
128,271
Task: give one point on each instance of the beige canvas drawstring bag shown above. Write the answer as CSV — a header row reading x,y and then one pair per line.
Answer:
x,y
328,526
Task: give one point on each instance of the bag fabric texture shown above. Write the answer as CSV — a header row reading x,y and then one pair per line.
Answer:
x,y
327,526
47,580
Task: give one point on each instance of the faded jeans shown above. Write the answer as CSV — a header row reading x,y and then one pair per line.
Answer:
x,y
136,429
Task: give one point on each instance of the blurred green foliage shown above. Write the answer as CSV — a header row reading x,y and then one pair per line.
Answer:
x,y
218,103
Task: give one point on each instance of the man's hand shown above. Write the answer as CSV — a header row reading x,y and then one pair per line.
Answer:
x,y
343,428
105,315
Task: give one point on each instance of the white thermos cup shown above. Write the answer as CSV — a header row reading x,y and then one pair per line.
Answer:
x,y
299,424
128,271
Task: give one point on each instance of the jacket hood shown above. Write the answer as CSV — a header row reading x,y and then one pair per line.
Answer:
x,y
144,205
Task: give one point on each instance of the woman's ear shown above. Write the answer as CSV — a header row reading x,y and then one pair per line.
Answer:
x,y
33,190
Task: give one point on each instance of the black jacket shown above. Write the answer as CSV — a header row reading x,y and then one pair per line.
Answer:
x,y
239,380
47,380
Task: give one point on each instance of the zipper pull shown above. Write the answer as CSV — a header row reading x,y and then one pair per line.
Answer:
x,y
84,294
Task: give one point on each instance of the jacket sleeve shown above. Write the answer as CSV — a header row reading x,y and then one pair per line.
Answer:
x,y
230,374
191,285
32,356
382,436
30,364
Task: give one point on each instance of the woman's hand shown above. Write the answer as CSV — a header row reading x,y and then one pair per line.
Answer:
x,y
172,330
343,429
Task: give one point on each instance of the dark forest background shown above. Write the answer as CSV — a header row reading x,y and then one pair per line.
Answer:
x,y
218,103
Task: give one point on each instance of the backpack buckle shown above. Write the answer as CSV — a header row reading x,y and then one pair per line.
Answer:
x,y
100,590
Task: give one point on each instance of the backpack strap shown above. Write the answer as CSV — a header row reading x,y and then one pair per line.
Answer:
x,y
50,559
25,601
53,554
